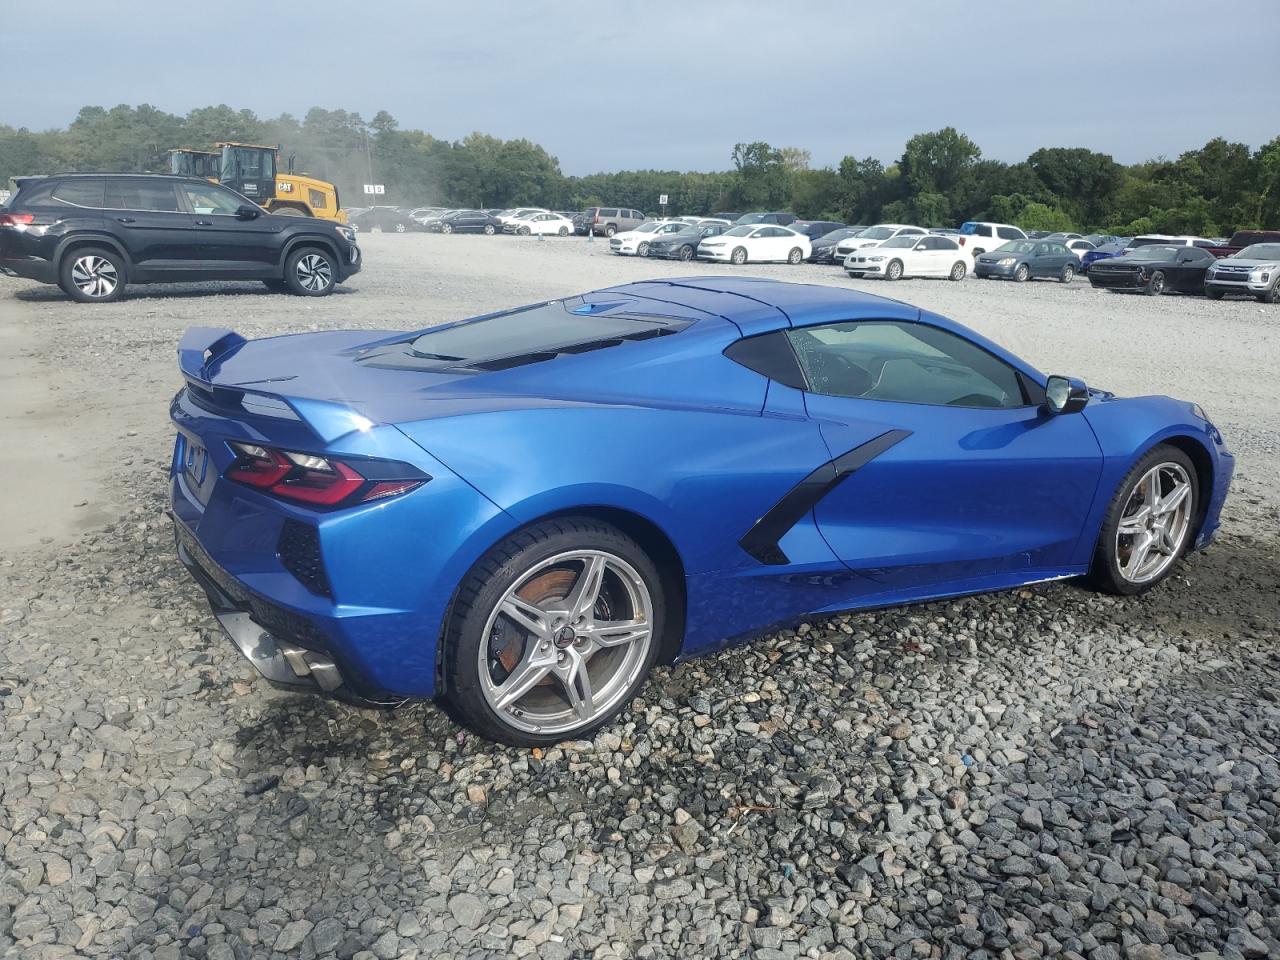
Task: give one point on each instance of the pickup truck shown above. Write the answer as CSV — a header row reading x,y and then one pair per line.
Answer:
x,y
1243,238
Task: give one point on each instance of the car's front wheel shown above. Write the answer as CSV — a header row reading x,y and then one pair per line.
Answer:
x,y
310,272
894,270
1022,274
1149,523
489,230
1156,285
642,250
446,228
686,252
1272,295
739,256
92,275
553,632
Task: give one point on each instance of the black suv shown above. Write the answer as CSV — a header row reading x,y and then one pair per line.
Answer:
x,y
93,233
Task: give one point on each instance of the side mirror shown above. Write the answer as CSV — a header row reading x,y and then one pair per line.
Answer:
x,y
247,213
1065,395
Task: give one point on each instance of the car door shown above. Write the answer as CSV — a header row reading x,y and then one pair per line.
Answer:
x,y
232,245
953,471
927,258
1190,269
158,233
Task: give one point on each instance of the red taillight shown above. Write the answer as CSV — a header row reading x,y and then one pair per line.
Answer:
x,y
316,480
16,219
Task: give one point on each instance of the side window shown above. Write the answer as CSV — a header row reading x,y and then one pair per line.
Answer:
x,y
80,193
1008,233
912,231
205,198
1042,249
315,198
609,213
138,194
769,355
904,362
983,230
945,243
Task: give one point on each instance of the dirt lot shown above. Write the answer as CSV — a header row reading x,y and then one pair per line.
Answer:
x,y
1043,772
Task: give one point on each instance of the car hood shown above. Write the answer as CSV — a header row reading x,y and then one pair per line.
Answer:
x,y
1124,263
635,235
1240,262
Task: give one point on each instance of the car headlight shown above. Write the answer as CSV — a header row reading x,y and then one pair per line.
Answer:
x,y
347,234
1007,261
875,259
1199,412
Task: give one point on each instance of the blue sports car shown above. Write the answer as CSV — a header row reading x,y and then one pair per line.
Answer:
x,y
520,513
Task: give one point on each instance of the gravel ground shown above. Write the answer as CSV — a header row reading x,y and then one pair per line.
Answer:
x,y
1043,772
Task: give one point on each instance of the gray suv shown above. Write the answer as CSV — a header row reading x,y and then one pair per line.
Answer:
x,y
606,221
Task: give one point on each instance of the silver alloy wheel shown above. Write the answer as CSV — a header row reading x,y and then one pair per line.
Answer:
x,y
739,256
958,271
562,648
400,228
795,255
94,276
1154,523
894,272
314,272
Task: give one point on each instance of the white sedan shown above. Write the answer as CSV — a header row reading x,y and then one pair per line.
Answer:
x,y
546,224
872,236
756,243
635,243
909,256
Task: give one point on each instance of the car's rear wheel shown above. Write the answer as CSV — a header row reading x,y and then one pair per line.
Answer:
x,y
310,272
1068,274
686,252
610,230
795,256
1156,285
894,270
92,275
553,632
563,231
489,230
1149,523
739,256
642,250
1022,274
958,270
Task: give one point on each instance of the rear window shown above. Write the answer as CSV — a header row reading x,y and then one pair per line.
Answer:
x,y
527,335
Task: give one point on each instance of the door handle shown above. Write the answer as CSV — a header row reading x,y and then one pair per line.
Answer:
x,y
126,219
204,223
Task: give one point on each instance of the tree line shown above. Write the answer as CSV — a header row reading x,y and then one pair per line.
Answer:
x,y
941,178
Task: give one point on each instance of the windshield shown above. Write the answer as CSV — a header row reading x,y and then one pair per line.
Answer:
x,y
648,227
1016,246
744,231
1260,251
876,233
752,218
1152,251
1111,248
900,243
837,235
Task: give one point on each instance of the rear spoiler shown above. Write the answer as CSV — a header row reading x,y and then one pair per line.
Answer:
x,y
202,351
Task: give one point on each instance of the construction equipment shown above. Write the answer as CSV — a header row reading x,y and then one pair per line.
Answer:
x,y
253,170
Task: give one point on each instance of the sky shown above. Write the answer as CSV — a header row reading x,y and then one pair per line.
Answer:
x,y
608,85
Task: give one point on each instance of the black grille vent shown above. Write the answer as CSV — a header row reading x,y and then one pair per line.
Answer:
x,y
299,550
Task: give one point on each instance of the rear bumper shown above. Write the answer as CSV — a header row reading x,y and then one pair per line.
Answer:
x,y
30,268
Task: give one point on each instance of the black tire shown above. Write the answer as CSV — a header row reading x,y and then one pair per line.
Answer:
x,y
1104,572
894,270
739,256
92,275
958,271
795,255
1272,295
489,230
1156,285
686,252
610,230
642,249
525,231
276,285
290,212
1022,274
311,272
483,588
446,228
1068,274
1214,294
563,232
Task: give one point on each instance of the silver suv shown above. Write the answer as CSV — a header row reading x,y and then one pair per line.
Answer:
x,y
1255,270
606,221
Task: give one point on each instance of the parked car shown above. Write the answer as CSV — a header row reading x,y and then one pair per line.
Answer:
x,y
682,244
909,256
924,462
93,234
873,236
1159,239
544,224
1061,237
756,243
978,236
781,219
466,221
813,229
1079,247
384,218
606,221
635,243
725,215
1154,269
1243,238
429,220
824,248
1254,270
1023,260
1102,252
510,215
